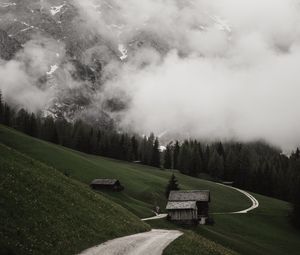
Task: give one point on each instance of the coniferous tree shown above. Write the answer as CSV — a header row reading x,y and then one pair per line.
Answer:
x,y
49,132
206,157
220,149
296,203
155,161
196,163
7,115
1,108
176,155
184,158
134,148
244,168
33,127
168,157
230,166
216,166
143,155
149,149
172,185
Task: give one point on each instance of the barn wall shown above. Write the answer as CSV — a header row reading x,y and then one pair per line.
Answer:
x,y
183,214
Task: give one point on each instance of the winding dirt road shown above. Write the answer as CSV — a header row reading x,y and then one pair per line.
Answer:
x,y
254,205
156,217
254,201
148,243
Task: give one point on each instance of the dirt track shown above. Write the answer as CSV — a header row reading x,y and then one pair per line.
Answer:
x,y
148,243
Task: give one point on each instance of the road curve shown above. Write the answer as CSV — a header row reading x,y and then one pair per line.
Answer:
x,y
156,217
147,243
254,201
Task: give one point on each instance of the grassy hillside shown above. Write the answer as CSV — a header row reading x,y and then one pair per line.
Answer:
x,y
144,186
44,212
191,243
266,230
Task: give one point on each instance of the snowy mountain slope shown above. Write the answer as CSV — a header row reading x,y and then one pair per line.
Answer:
x,y
74,75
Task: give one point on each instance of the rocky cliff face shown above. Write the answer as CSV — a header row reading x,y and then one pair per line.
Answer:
x,y
8,46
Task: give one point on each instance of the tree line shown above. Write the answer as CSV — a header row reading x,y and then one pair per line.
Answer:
x,y
255,166
83,137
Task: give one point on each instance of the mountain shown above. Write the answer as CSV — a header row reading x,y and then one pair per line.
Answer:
x,y
8,46
80,51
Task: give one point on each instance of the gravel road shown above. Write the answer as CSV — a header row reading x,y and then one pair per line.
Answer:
x,y
148,243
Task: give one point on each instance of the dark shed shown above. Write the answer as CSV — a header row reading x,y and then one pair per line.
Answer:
x,y
106,184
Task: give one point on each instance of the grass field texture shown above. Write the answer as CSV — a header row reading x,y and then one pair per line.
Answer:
x,y
265,230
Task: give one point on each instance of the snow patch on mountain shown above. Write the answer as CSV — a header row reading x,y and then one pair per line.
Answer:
x,y
5,5
123,51
53,68
56,9
162,148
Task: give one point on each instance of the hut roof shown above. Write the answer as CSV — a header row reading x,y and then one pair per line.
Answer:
x,y
181,205
190,195
105,181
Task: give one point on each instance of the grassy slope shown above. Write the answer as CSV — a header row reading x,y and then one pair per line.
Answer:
x,y
44,212
144,186
191,243
264,231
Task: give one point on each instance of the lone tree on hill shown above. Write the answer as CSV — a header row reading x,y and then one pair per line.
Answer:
x,y
172,185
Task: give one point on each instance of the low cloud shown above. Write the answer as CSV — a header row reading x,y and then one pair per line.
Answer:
x,y
228,70
19,77
200,68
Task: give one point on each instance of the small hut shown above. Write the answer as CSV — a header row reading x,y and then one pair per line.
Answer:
x,y
185,211
106,184
188,205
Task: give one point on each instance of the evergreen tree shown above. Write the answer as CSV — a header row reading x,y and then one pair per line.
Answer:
x,y
216,166
172,185
184,158
230,166
134,148
49,132
33,128
244,168
143,151
220,149
196,163
206,157
7,115
155,161
176,155
1,108
168,157
150,149
296,203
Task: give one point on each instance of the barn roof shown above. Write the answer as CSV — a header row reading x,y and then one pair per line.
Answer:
x,y
181,205
105,181
190,195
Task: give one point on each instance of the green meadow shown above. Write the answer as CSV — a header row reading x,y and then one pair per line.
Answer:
x,y
265,230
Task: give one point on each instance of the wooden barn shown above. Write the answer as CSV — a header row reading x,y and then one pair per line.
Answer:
x,y
188,206
106,184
